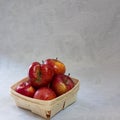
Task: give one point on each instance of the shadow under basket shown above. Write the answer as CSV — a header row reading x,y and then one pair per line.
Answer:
x,y
49,108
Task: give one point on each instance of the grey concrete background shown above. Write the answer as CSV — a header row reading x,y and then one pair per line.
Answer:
x,y
84,34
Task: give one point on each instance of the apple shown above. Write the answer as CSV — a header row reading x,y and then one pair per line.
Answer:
x,y
44,93
62,83
40,74
26,89
57,65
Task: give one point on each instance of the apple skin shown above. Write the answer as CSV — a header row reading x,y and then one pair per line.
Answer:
x,y
44,93
57,65
40,74
61,84
26,89
34,70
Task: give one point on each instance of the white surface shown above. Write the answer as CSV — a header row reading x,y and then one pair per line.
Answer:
x,y
84,34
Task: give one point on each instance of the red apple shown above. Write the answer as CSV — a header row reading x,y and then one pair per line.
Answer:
x,y
57,65
44,93
62,83
26,89
40,74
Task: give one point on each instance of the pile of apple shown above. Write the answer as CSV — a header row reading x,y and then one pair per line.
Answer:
x,y
46,80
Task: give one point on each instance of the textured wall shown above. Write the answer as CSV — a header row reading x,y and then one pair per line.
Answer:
x,y
83,31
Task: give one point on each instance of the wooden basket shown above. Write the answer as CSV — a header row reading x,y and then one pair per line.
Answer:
x,y
49,108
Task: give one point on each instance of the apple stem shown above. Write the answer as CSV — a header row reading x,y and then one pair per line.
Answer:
x,y
42,61
68,74
56,58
